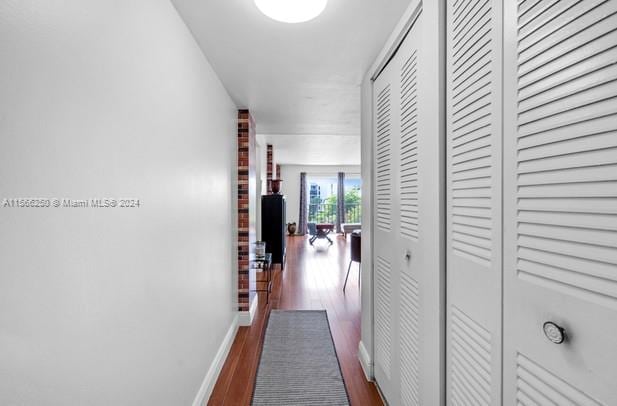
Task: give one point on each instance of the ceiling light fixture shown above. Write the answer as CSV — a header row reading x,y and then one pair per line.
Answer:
x,y
291,11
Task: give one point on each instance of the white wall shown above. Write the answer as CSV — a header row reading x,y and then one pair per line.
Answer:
x,y
365,350
261,178
109,98
290,186
262,162
315,149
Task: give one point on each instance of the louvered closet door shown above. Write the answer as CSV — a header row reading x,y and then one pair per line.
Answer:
x,y
560,202
386,285
409,234
474,140
407,223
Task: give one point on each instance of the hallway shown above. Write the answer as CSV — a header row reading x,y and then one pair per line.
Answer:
x,y
313,279
153,152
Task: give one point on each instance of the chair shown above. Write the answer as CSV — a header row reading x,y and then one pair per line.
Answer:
x,y
348,228
356,254
312,229
319,231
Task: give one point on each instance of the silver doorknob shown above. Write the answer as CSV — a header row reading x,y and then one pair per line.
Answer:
x,y
554,333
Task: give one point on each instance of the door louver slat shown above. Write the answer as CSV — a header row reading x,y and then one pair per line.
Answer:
x,y
471,142
470,367
383,158
409,341
409,149
383,322
537,386
559,169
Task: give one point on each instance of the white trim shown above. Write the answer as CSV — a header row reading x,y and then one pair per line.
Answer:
x,y
365,361
246,318
366,284
379,391
217,364
396,38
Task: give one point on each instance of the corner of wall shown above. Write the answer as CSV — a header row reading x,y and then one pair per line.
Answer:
x,y
366,362
245,318
205,390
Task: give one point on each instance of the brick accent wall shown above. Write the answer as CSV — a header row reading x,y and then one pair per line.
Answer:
x,y
269,168
247,198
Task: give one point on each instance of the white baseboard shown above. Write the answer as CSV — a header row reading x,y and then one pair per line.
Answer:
x,y
365,361
246,318
217,364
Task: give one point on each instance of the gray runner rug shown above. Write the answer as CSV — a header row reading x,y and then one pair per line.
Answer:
x,y
298,364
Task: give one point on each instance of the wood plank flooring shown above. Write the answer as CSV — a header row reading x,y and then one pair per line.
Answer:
x,y
313,279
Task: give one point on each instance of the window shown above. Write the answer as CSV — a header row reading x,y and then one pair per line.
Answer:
x,y
353,198
322,198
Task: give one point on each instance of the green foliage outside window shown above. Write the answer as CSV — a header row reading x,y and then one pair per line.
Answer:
x,y
326,212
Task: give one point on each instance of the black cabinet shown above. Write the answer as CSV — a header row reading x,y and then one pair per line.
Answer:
x,y
273,226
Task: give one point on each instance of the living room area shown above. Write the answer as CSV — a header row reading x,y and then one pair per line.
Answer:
x,y
323,200
320,178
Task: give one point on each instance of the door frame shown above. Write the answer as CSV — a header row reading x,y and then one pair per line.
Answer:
x,y
433,11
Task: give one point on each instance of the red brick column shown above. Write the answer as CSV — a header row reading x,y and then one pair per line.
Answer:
x,y
246,206
269,158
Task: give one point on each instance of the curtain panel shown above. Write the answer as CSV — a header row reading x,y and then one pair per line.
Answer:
x,y
340,202
302,217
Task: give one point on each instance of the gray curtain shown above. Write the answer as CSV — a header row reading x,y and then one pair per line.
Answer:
x,y
303,206
340,201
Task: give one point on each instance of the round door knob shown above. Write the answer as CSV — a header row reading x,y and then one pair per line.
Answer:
x,y
554,333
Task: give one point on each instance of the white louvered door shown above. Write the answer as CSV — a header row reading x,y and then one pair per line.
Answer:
x,y
407,65
409,236
385,295
408,344
560,202
473,239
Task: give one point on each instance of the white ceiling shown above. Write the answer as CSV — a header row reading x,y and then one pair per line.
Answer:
x,y
295,78
315,149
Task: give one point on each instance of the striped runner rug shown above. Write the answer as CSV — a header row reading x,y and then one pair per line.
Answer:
x,y
298,364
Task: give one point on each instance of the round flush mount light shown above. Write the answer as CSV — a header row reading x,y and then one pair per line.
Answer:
x,y
291,11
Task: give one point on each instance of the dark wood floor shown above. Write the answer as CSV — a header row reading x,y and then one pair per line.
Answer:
x,y
313,279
